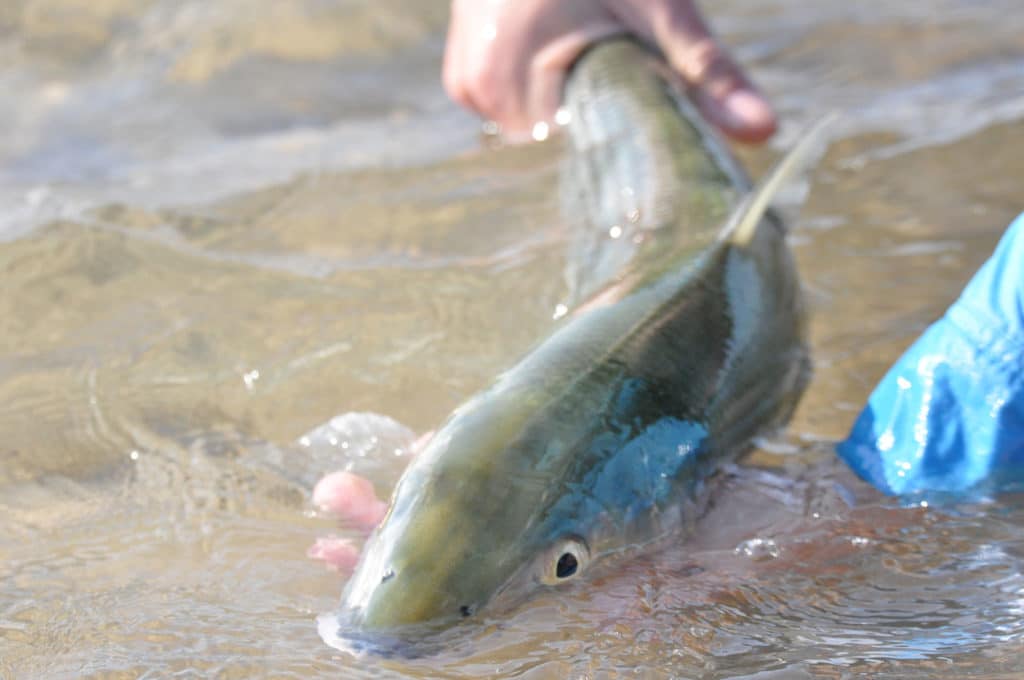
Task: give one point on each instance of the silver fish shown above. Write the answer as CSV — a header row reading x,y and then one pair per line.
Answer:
x,y
599,442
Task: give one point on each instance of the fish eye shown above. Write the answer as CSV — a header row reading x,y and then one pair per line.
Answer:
x,y
567,565
564,560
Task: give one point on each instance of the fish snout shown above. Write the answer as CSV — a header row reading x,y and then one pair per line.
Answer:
x,y
409,641
391,611
394,621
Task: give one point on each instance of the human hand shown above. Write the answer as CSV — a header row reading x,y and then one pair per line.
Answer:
x,y
352,500
507,59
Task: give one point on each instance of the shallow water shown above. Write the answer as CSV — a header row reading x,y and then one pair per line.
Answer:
x,y
223,224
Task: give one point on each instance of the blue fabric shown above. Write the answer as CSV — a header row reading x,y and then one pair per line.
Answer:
x,y
949,415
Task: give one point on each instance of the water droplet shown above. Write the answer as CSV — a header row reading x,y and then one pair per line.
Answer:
x,y
250,378
759,549
562,116
541,131
134,455
560,311
615,231
490,128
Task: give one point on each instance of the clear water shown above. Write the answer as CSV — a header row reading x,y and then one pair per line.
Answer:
x,y
222,224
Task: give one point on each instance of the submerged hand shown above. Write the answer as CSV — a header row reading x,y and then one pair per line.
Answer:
x,y
507,59
352,500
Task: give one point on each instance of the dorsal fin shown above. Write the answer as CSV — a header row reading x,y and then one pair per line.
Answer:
x,y
747,216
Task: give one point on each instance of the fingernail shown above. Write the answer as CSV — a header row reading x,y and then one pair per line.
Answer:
x,y
748,114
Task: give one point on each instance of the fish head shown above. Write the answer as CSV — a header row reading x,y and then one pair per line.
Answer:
x,y
471,524
510,498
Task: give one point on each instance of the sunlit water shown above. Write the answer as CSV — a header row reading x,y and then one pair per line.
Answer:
x,y
223,224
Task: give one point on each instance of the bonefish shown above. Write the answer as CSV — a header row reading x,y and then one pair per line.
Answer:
x,y
600,440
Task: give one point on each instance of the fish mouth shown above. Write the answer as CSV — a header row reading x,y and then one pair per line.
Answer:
x,y
408,641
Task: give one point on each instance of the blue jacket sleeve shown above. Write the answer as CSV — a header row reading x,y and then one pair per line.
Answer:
x,y
949,415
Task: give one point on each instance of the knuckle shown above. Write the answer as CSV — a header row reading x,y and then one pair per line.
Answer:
x,y
705,61
483,82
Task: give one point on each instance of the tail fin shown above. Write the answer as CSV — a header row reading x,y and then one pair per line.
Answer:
x,y
747,216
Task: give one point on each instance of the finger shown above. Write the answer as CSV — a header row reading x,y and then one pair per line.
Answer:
x,y
454,63
722,91
550,66
351,498
338,553
497,82
482,64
